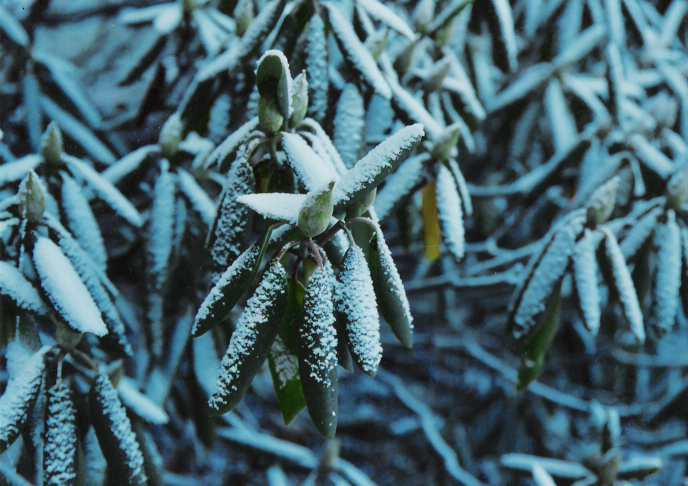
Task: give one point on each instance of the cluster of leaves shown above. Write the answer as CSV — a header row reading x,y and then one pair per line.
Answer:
x,y
254,200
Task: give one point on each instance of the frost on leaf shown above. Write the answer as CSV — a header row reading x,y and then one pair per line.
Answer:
x,y
21,392
113,429
140,404
60,437
667,277
623,285
312,171
639,234
355,298
318,351
277,206
64,288
450,213
227,291
16,287
161,229
585,280
372,169
399,184
349,125
549,269
316,66
255,332
198,198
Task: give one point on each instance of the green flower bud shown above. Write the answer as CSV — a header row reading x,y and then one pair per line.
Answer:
x,y
51,144
270,120
446,143
601,203
171,135
67,337
189,6
31,199
299,99
437,74
243,16
316,212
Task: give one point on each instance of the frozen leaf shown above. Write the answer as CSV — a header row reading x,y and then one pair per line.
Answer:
x,y
585,281
638,468
449,213
542,477
447,14
255,332
65,289
131,162
561,121
312,171
349,125
316,66
531,79
664,302
227,291
20,394
15,286
104,190
223,155
327,144
318,351
400,184
372,169
623,286
356,53
17,169
60,438
140,404
651,157
601,204
557,468
355,299
161,229
580,47
462,187
113,429
277,206
639,234
387,16
198,198
414,109
390,293
82,222
507,37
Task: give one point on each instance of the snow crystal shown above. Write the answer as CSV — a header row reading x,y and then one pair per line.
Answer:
x,y
278,206
60,437
198,198
585,278
120,427
349,125
355,299
16,287
357,53
624,286
140,404
65,289
371,170
82,222
449,213
318,335
242,352
311,170
667,277
399,184
161,230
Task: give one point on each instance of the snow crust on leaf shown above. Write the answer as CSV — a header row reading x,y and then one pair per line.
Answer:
x,y
623,283
356,52
26,376
140,404
16,287
17,169
399,184
231,143
278,206
639,234
327,144
161,230
386,15
549,270
112,410
372,169
311,170
349,125
198,198
316,67
667,278
65,289
82,222
450,213
128,164
60,437
355,298
285,362
318,332
248,345
585,278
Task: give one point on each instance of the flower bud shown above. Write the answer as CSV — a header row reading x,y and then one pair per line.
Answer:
x,y
51,144
31,199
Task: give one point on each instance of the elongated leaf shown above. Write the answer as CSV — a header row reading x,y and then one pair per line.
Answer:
x,y
639,234
82,222
197,196
355,300
32,102
312,171
60,438
399,185
140,404
93,459
64,288
227,292
414,110
623,286
531,79
652,157
356,53
585,280
248,348
542,477
327,144
581,46
557,468
113,429
349,125
316,67
223,155
206,363
13,29
131,162
507,37
372,169
277,206
17,169
15,286
431,223
387,16
389,290
20,395
161,229
666,281
104,190
561,121
448,13
450,213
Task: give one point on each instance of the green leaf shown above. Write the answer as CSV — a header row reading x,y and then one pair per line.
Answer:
x,y
533,355
283,359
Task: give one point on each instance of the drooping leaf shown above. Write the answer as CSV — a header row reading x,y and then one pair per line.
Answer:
x,y
253,337
399,184
450,213
664,302
276,206
349,125
585,281
312,171
60,438
197,196
431,223
15,286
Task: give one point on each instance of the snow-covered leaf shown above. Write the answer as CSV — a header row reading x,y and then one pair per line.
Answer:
x,y
15,286
664,301
312,171
223,155
140,404
255,332
507,35
64,288
131,162
400,184
349,125
277,206
541,476
355,300
531,79
639,234
60,437
17,169
372,169
316,67
450,213
585,281
161,229
387,16
197,196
